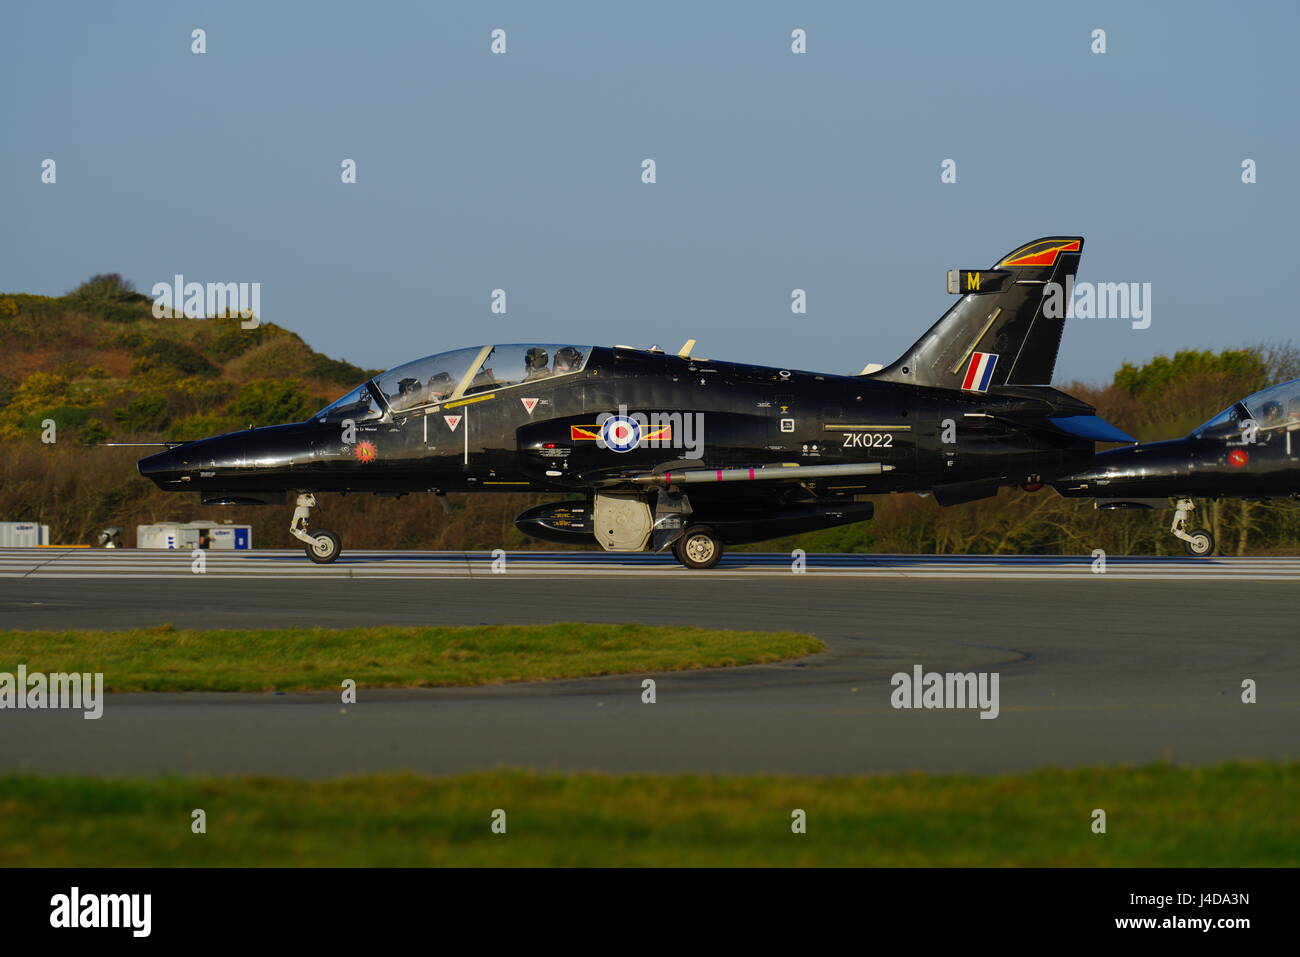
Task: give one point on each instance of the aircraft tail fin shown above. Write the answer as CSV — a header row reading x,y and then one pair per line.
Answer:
x,y
998,332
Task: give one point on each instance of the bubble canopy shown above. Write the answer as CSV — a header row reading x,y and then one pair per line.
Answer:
x,y
1275,407
448,375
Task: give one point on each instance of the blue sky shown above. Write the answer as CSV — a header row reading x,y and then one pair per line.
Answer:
x,y
775,171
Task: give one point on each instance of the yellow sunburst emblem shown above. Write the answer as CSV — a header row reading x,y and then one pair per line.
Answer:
x,y
366,452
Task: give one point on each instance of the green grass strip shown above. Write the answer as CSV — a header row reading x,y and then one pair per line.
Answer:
x,y
1239,814
301,659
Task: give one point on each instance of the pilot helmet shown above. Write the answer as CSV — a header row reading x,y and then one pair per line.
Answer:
x,y
1271,411
567,359
535,358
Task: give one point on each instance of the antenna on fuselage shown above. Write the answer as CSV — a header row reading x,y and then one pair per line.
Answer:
x,y
685,352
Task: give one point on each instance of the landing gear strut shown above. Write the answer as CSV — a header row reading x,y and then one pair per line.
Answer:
x,y
323,547
1198,541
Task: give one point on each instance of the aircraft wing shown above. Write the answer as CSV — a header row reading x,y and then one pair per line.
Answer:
x,y
1091,427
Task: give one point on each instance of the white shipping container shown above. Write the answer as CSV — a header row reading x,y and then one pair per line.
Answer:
x,y
190,535
23,534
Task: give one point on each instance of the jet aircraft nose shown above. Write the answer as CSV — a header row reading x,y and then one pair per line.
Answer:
x,y
1131,469
162,467
1146,461
213,461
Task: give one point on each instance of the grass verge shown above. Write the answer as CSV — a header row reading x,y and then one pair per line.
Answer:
x,y
1239,815
300,659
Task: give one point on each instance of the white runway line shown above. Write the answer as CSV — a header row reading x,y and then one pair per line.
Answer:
x,y
292,565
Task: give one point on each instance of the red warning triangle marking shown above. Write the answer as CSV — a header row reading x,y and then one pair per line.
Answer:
x,y
452,421
529,405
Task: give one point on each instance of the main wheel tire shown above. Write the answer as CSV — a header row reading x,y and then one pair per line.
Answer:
x,y
699,547
1202,543
325,549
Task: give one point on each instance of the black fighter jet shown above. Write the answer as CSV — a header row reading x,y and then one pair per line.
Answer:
x,y
655,451
1250,450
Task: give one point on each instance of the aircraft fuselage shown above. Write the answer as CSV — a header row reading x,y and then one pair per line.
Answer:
x,y
544,435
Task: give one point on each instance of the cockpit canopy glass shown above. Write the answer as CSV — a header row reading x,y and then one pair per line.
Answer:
x,y
516,364
1276,407
436,378
358,405
425,381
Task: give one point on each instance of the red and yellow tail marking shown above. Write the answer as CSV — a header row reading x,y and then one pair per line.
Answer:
x,y
1040,257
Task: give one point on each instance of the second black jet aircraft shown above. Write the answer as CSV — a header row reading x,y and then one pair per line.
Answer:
x,y
654,451
1250,450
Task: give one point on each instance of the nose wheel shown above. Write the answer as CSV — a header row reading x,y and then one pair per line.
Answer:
x,y
1198,542
322,547
325,547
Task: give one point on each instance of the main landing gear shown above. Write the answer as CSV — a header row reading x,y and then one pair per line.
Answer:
x,y
1198,541
322,547
699,547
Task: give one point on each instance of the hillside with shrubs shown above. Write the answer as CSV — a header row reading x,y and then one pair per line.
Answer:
x,y
101,366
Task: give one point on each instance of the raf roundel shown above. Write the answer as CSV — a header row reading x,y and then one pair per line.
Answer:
x,y
620,433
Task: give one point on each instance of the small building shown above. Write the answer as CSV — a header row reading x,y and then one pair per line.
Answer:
x,y
191,535
23,534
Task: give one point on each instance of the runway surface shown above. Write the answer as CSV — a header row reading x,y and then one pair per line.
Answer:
x,y
292,564
1142,663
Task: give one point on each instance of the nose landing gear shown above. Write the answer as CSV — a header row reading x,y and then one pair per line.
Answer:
x,y
1198,542
322,547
